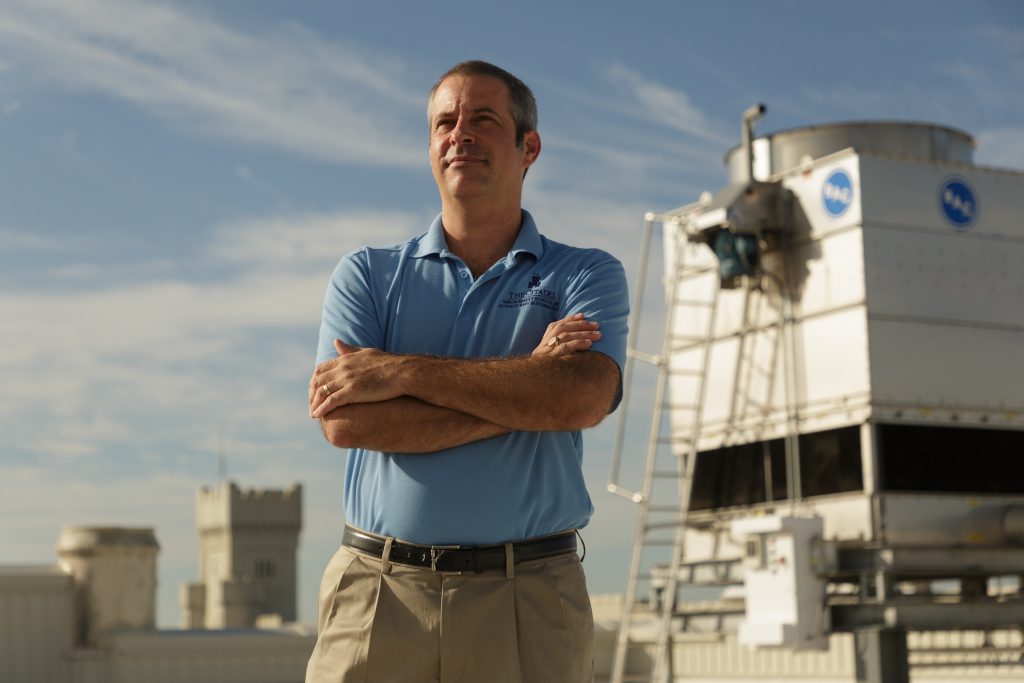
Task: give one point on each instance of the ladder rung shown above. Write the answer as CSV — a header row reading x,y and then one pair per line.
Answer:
x,y
693,372
662,508
674,440
711,562
717,583
656,543
645,357
692,344
647,576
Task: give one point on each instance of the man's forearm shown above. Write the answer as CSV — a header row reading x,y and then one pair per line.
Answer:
x,y
404,425
560,387
536,393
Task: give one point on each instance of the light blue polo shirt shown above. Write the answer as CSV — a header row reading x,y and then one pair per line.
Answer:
x,y
418,297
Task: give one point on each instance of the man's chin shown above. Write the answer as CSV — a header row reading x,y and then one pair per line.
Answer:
x,y
466,187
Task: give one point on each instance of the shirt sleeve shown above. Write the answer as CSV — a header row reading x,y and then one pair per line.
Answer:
x,y
600,293
349,312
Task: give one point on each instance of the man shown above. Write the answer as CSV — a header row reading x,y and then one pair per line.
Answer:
x,y
459,368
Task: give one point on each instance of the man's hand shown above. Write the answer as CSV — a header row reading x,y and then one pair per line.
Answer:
x,y
357,375
568,335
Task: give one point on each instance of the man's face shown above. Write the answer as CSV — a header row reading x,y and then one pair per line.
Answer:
x,y
473,148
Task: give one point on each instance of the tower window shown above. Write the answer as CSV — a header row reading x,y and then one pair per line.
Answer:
x,y
265,569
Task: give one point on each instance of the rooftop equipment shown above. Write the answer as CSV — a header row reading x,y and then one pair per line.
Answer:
x,y
843,343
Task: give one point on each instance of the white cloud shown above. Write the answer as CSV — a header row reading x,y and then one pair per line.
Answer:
x,y
1002,147
290,90
309,240
661,104
647,159
17,240
96,365
119,272
588,220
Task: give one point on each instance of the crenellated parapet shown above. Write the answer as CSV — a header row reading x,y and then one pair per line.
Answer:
x,y
229,505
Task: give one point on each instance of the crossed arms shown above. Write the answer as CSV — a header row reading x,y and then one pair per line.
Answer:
x,y
412,404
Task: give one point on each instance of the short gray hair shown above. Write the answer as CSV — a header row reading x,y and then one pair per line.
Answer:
x,y
524,106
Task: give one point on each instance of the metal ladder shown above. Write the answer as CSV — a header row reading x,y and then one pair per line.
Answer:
x,y
754,376
701,301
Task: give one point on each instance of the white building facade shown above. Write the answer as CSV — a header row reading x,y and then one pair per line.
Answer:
x,y
91,618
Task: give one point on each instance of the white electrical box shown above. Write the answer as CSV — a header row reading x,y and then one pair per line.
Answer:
x,y
785,595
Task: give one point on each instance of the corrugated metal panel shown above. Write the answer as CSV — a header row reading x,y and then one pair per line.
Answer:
x,y
36,618
727,659
209,657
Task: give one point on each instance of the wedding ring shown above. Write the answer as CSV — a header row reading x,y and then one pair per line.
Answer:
x,y
323,388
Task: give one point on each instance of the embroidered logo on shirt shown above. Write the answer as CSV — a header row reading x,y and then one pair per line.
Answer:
x,y
533,295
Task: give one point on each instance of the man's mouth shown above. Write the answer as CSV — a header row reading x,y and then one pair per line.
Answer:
x,y
462,160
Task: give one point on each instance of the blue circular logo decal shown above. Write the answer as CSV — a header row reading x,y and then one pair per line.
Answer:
x,y
837,193
958,203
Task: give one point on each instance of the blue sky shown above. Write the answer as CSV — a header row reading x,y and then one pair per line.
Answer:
x,y
179,178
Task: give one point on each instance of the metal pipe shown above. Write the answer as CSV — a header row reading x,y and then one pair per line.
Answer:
x,y
627,375
749,117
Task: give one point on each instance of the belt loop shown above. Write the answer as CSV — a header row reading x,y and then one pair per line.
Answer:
x,y
510,562
385,557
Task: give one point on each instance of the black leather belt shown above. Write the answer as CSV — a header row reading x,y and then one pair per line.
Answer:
x,y
453,558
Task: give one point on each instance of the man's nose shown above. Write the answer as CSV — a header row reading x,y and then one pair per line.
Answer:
x,y
461,134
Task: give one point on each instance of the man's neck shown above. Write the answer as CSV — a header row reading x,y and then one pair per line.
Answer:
x,y
480,235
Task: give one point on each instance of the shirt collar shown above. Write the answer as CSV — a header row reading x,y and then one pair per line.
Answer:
x,y
527,241
433,241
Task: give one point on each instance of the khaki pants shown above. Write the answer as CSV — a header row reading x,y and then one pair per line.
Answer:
x,y
400,624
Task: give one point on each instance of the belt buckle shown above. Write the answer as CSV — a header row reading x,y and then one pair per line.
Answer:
x,y
437,551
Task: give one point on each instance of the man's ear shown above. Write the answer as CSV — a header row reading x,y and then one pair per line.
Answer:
x,y
531,147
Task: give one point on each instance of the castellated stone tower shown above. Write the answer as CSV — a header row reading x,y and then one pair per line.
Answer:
x,y
247,557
